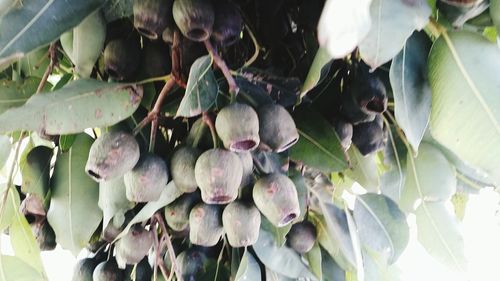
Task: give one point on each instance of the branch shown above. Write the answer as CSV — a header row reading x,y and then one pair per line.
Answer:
x,y
170,247
50,68
233,87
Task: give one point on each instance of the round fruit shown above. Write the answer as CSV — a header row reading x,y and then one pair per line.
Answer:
x,y
228,23
276,197
191,263
122,58
108,271
241,223
151,17
302,237
142,272
276,127
182,166
370,137
45,235
247,164
112,155
195,18
205,225
147,179
177,213
134,246
83,269
237,126
344,132
156,59
218,173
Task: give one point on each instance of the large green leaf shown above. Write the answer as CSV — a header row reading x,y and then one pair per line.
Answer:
x,y
410,85
249,268
363,169
117,9
15,269
15,93
318,71
318,145
9,209
79,105
392,23
465,114
439,233
113,200
430,177
35,63
282,260
377,269
331,270
201,90
74,214
279,233
393,180
314,260
381,225
38,22
35,171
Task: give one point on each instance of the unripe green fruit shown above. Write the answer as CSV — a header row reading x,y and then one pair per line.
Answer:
x,y
112,155
195,18
147,179
237,126
302,237
45,235
108,271
191,263
177,213
276,197
276,127
122,58
218,173
83,269
241,222
134,246
228,23
151,17
182,166
247,164
205,225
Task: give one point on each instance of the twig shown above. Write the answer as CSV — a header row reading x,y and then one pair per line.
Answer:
x,y
207,119
233,87
256,46
170,247
50,68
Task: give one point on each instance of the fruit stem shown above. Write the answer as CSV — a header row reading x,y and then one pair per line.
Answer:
x,y
50,68
164,78
256,46
435,28
210,123
233,87
158,260
170,247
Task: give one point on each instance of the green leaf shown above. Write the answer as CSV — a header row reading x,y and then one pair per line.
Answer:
x,y
439,233
249,268
66,141
167,196
393,22
201,90
35,63
15,269
38,22
462,73
392,181
274,276
377,269
381,225
363,169
300,186
313,257
5,148
430,177
15,93
318,146
331,270
11,206
279,233
318,71
35,171
410,85
74,214
79,105
117,9
495,13
281,260
113,200
356,245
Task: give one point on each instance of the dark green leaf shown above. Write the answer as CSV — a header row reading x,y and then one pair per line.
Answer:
x,y
318,145
331,270
410,85
392,181
79,105
66,141
313,257
35,171
74,214
16,93
363,169
65,79
201,90
381,225
318,71
117,9
249,268
35,62
301,187
279,233
38,22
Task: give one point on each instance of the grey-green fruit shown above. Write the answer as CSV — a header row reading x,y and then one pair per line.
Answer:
x,y
191,263
277,129
108,271
45,235
195,18
205,225
276,197
134,246
218,173
241,223
247,164
237,126
302,236
112,155
83,269
177,213
151,17
182,166
228,23
147,180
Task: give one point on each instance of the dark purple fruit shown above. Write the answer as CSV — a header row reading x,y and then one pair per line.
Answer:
x,y
241,222
177,213
122,58
218,173
344,132
237,126
195,18
205,225
134,246
108,271
370,137
191,263
151,17
44,235
112,155
140,272
83,269
276,197
156,59
182,166
302,237
146,181
277,129
228,23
